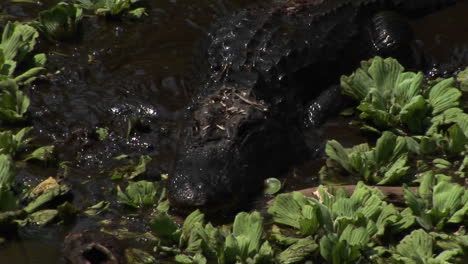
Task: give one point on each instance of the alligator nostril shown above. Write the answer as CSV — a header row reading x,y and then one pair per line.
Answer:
x,y
186,194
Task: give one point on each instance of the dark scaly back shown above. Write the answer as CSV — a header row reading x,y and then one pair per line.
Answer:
x,y
255,48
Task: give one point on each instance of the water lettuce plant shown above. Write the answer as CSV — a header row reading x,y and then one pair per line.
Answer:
x,y
13,102
132,169
438,202
61,22
432,127
198,242
344,227
113,7
384,164
420,247
141,193
396,100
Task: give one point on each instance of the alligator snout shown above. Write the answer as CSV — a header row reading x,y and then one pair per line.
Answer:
x,y
196,178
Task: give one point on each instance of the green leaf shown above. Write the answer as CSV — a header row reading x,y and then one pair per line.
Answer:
x,y
272,186
298,251
336,152
248,229
42,217
443,96
60,22
462,78
286,209
138,256
102,132
355,236
139,194
13,102
164,227
396,172
418,207
43,153
137,13
457,139
46,197
447,199
7,172
18,39
29,76
40,60
98,208
417,246
414,114
132,170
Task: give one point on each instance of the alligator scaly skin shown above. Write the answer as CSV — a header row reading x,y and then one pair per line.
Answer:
x,y
243,121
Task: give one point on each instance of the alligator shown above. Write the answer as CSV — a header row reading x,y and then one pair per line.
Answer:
x,y
264,65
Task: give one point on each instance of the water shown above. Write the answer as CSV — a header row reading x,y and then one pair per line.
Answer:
x,y
141,72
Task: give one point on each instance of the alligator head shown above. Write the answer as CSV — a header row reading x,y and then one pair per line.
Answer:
x,y
229,150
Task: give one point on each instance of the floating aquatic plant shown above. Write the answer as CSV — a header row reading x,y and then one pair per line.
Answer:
x,y
396,100
61,22
199,242
113,7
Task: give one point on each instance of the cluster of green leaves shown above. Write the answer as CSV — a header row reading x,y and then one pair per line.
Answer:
x,y
17,43
61,22
343,229
143,193
361,228
392,99
19,65
431,126
197,242
333,228
438,202
18,146
39,202
384,164
113,7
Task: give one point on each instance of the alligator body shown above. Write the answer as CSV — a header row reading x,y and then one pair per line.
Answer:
x,y
245,121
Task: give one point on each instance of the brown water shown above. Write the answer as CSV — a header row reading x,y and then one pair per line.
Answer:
x,y
123,71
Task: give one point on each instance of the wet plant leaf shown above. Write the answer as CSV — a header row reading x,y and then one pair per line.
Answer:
x,y
13,102
385,164
102,132
436,205
462,78
46,197
395,100
272,186
138,256
139,194
444,96
29,75
18,40
132,170
112,7
98,208
43,153
298,251
60,22
165,228
7,172
42,217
